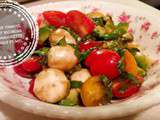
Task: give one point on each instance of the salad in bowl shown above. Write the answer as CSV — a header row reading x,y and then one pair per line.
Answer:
x,y
84,59
94,60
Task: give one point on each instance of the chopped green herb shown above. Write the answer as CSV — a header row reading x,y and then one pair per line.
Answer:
x,y
108,85
41,52
75,84
134,50
83,55
80,55
123,87
89,36
112,44
120,51
52,28
98,21
74,35
114,35
121,65
62,42
130,77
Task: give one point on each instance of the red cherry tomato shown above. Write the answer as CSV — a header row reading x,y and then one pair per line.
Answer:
x,y
80,23
103,62
84,46
32,65
31,86
92,57
27,68
132,89
55,18
20,71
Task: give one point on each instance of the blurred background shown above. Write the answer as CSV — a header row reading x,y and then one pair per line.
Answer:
x,y
154,3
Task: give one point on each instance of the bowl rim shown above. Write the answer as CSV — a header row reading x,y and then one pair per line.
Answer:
x,y
57,111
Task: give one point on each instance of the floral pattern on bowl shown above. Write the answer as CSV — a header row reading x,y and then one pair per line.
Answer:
x,y
146,32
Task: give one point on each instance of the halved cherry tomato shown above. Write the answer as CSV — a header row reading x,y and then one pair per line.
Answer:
x,y
28,67
80,23
32,65
84,46
130,63
129,91
20,71
31,86
103,62
89,59
55,18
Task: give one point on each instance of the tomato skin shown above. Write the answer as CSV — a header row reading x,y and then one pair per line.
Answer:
x,y
20,71
79,22
28,67
32,65
130,63
31,86
84,46
103,62
89,60
132,89
55,18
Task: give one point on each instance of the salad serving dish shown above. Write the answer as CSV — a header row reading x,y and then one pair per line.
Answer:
x,y
146,32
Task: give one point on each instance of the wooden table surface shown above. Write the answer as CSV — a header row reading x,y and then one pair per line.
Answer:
x,y
10,113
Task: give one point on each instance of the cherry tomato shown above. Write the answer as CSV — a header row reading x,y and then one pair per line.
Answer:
x,y
129,91
31,86
20,71
32,65
55,18
80,23
84,46
27,68
130,63
103,62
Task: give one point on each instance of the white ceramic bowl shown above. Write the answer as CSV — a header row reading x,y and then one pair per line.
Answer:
x,y
146,30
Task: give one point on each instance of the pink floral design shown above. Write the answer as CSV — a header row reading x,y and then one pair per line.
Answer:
x,y
94,9
158,48
140,18
145,26
124,18
130,30
154,35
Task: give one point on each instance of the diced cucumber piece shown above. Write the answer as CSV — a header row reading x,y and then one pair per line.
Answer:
x,y
142,61
141,72
72,99
44,33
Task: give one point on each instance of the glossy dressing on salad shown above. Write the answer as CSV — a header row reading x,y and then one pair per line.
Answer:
x,y
84,60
